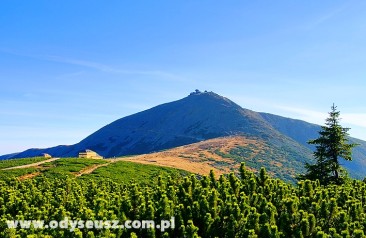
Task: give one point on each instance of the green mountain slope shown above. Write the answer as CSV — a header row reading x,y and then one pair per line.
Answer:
x,y
198,117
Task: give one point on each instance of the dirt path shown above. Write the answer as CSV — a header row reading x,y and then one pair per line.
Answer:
x,y
90,169
28,176
31,165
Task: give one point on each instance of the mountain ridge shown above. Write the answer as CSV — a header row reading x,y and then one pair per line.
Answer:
x,y
197,117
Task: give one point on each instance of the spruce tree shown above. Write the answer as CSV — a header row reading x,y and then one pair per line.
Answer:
x,y
331,146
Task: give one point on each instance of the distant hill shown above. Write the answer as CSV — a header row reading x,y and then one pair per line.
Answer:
x,y
302,131
198,117
224,155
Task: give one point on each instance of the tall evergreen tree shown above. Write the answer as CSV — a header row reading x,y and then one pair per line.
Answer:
x,y
331,146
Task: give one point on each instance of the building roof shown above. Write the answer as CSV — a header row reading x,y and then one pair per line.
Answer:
x,y
86,151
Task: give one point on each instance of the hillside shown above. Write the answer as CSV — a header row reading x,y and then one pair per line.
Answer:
x,y
198,117
224,155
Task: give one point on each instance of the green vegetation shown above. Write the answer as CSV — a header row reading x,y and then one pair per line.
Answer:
x,y
249,206
331,146
124,172
5,174
66,166
273,160
121,171
58,168
18,162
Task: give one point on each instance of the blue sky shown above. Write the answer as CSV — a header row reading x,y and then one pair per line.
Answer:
x,y
68,68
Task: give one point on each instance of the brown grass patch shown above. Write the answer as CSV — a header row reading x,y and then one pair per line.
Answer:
x,y
199,157
28,176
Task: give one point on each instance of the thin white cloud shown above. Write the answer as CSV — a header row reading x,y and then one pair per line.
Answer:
x,y
325,17
356,119
98,66
94,65
111,69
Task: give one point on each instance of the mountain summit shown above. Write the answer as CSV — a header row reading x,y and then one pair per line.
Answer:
x,y
197,117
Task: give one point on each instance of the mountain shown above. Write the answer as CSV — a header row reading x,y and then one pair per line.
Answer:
x,y
198,117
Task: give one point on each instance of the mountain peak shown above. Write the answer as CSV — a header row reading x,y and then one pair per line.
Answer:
x,y
199,116
200,97
204,93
